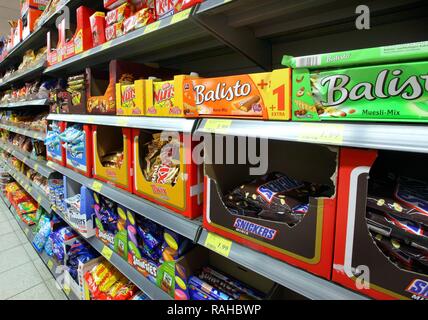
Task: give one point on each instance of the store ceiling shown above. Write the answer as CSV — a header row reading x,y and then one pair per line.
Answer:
x,y
9,10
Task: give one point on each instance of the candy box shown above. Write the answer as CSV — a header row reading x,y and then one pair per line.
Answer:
x,y
110,221
381,247
375,84
118,14
76,94
29,20
288,213
112,149
79,207
54,150
114,31
166,8
38,5
165,98
176,181
98,28
258,96
77,141
17,33
129,98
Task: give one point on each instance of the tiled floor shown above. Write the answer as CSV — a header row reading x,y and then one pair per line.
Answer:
x,y
23,275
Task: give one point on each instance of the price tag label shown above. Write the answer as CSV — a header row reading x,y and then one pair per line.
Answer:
x,y
50,264
321,133
218,244
39,199
152,27
217,125
107,253
180,16
36,166
26,232
123,122
90,119
67,289
97,186
106,45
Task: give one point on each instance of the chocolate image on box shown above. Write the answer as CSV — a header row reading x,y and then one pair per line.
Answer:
x,y
274,197
162,160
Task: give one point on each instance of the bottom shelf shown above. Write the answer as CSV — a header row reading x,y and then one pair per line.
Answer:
x,y
50,263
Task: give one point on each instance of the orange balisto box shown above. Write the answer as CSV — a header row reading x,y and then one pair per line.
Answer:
x,y
258,95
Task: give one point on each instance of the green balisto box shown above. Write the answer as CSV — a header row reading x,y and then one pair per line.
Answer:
x,y
377,84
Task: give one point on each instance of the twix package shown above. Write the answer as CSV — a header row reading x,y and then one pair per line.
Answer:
x,y
258,95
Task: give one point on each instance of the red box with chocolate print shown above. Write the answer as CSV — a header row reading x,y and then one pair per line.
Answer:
x,y
307,244
368,257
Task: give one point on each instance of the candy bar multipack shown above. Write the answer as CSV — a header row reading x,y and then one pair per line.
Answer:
x,y
381,246
376,84
258,96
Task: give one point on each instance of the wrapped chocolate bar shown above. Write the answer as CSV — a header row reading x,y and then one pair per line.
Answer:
x,y
162,160
273,196
405,256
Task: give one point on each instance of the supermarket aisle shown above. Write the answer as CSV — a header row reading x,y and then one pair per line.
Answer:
x,y
23,275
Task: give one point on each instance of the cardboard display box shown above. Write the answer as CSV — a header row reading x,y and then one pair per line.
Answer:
x,y
307,244
374,84
256,96
29,20
82,220
39,5
166,98
70,42
360,260
82,160
17,33
56,153
108,140
185,195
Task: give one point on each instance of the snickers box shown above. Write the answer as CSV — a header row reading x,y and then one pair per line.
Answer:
x,y
252,210
381,246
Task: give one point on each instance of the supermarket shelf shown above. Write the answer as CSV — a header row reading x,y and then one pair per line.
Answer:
x,y
38,165
154,123
288,276
29,74
399,137
37,102
37,38
29,133
50,263
127,270
158,214
159,40
36,193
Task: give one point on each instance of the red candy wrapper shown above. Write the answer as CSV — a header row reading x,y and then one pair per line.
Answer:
x,y
165,8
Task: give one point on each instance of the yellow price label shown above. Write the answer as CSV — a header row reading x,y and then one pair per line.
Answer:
x,y
50,264
97,186
321,133
39,199
152,27
105,45
107,253
217,125
67,289
90,119
36,166
26,232
180,16
123,122
218,244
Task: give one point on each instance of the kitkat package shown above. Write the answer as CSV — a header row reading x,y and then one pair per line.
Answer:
x,y
377,84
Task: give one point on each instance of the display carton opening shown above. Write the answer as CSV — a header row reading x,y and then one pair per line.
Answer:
x,y
289,166
99,82
397,209
110,146
166,170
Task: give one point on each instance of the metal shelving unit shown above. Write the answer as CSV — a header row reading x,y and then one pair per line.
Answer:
x,y
29,133
300,281
158,214
50,263
399,137
154,123
28,103
37,165
36,193
27,74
